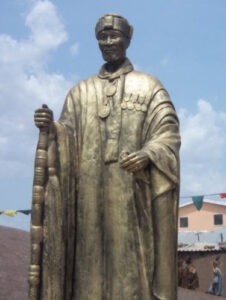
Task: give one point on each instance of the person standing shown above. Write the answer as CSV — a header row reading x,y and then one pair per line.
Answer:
x,y
190,275
216,287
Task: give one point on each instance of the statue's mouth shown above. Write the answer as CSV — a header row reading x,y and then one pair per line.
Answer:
x,y
109,50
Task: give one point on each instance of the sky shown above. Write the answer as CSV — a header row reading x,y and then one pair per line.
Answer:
x,y
47,46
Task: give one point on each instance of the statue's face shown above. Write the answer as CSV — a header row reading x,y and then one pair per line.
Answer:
x,y
113,45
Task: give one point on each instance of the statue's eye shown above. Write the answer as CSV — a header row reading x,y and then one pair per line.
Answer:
x,y
102,37
114,36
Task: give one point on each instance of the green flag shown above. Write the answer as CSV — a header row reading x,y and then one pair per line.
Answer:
x,y
198,201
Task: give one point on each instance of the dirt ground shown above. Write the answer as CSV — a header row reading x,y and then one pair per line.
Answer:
x,y
184,294
14,261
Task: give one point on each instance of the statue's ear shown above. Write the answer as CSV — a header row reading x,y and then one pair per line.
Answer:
x,y
130,32
129,37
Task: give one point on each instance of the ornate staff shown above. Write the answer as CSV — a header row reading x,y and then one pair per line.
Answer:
x,y
37,213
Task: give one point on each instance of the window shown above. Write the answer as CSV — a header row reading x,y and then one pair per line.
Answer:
x,y
184,222
218,219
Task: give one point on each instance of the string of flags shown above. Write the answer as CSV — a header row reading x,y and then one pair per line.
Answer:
x,y
13,213
197,200
221,195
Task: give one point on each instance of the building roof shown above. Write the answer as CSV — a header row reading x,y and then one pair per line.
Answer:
x,y
203,247
202,240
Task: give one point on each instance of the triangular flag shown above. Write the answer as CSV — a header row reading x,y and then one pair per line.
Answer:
x,y
10,213
26,211
223,195
198,201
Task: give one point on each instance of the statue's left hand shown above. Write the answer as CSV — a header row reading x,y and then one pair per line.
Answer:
x,y
135,161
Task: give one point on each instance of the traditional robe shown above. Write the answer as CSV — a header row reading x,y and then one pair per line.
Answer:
x,y
110,234
216,287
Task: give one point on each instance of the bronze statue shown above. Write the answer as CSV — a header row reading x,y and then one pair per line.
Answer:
x,y
106,185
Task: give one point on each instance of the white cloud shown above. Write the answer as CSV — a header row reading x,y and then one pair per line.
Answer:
x,y
46,34
47,30
203,150
74,49
25,85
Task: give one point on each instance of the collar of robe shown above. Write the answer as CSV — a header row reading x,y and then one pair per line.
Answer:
x,y
125,68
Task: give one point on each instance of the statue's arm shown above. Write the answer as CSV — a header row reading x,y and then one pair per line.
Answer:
x,y
162,140
162,136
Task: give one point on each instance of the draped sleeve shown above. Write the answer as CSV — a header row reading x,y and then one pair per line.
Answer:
x,y
161,141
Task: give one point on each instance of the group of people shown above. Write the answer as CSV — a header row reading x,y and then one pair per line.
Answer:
x,y
188,277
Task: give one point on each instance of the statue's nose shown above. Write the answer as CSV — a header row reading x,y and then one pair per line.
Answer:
x,y
109,40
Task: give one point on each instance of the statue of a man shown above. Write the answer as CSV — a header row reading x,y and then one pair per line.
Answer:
x,y
112,185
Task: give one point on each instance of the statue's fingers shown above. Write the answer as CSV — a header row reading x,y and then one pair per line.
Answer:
x,y
134,167
130,159
44,110
42,119
43,115
126,163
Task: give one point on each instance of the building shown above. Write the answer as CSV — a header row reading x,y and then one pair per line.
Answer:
x,y
211,216
202,236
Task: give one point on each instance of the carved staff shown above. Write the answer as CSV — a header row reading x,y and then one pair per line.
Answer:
x,y
37,213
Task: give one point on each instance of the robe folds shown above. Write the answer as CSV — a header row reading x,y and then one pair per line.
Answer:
x,y
110,234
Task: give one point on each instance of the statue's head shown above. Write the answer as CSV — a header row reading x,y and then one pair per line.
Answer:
x,y
113,33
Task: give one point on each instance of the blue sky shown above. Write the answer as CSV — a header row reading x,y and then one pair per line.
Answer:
x,y
47,46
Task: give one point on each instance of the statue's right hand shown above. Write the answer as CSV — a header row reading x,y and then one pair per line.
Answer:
x,y
43,117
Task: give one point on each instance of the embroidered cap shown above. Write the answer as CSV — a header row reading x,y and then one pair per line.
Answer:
x,y
115,22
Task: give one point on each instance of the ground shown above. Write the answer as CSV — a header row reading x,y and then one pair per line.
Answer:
x,y
14,262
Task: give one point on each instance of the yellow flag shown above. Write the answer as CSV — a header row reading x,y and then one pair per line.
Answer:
x,y
10,213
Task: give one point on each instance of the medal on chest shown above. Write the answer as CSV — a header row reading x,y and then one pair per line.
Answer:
x,y
109,91
104,111
134,102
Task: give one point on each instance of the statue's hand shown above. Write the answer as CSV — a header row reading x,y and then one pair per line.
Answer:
x,y
43,117
135,161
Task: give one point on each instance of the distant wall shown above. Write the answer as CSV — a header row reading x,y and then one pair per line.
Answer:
x,y
201,219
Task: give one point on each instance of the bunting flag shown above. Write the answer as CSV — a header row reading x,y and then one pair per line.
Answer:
x,y
221,195
9,213
12,213
198,201
26,211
